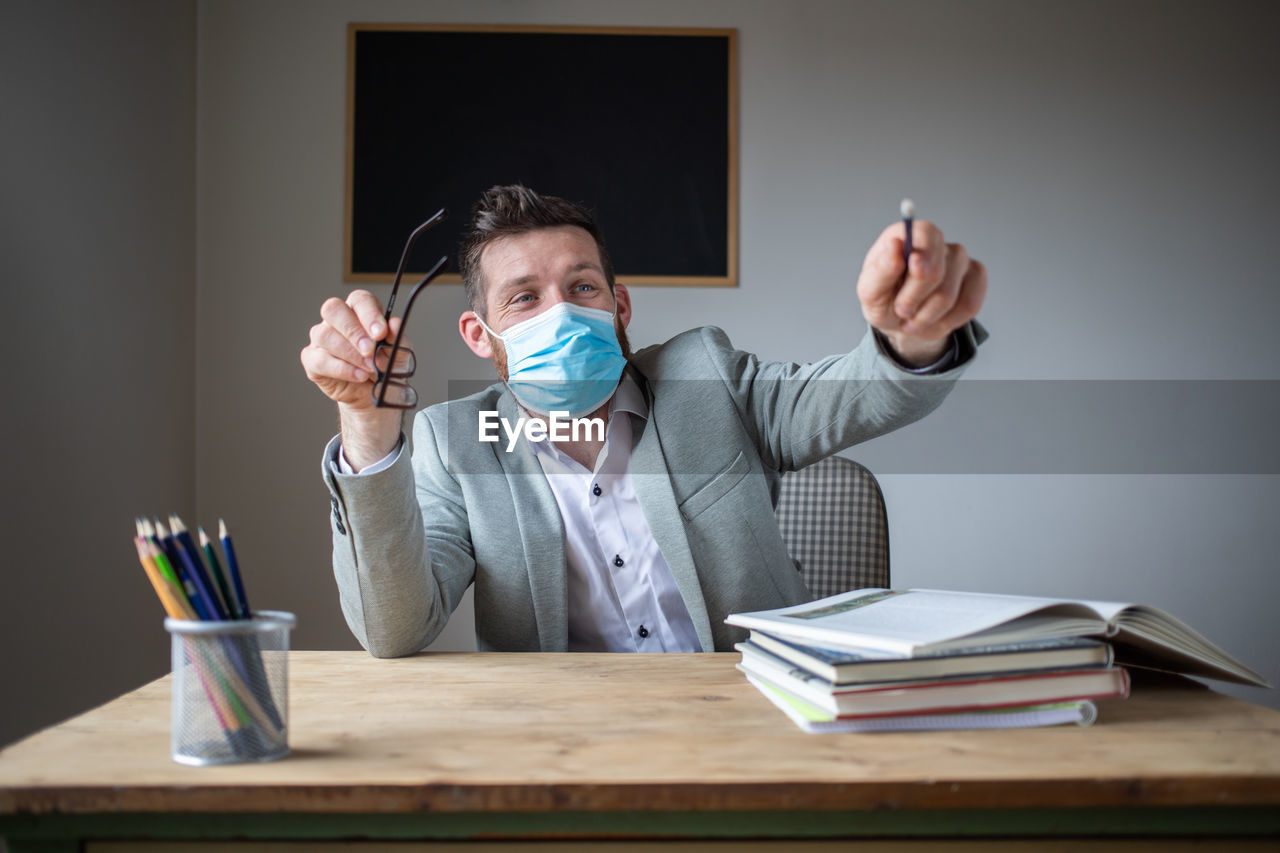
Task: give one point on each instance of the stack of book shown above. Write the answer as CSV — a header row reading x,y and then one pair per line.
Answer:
x,y
874,660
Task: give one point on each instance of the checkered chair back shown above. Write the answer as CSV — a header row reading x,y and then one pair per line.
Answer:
x,y
833,521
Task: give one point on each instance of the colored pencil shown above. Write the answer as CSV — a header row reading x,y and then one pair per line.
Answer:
x,y
229,666
175,607
238,605
233,568
178,608
190,555
171,551
215,568
147,531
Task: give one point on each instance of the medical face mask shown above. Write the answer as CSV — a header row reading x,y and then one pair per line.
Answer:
x,y
566,359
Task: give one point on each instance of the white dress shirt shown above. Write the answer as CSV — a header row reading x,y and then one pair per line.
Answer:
x,y
622,595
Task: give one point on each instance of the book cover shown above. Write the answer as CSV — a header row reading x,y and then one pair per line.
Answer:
x,y
846,667
936,696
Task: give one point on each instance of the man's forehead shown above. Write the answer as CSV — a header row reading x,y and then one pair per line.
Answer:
x,y
544,252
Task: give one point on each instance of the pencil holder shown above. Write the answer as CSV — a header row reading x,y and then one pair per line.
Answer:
x,y
230,689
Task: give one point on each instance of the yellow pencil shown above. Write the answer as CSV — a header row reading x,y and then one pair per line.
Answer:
x,y
174,606
178,608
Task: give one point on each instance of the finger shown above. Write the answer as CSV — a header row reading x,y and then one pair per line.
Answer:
x,y
881,275
326,337
369,311
321,365
405,359
925,269
941,300
973,291
404,355
344,319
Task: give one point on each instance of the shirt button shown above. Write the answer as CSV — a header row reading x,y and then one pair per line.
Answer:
x,y
617,560
595,490
643,632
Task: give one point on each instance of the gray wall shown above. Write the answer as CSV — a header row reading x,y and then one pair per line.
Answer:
x,y
1112,163
97,241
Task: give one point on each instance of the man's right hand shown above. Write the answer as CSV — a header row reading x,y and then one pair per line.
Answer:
x,y
339,360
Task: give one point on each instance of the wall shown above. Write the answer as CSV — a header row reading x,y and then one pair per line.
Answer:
x,y
97,236
1112,163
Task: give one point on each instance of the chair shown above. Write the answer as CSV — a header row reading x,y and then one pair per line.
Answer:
x,y
834,524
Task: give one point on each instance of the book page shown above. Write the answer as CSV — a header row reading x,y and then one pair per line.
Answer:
x,y
907,619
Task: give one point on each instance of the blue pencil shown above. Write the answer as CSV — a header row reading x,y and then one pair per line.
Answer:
x,y
233,569
167,544
195,564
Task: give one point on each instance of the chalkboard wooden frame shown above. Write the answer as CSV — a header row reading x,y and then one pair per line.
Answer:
x,y
681,220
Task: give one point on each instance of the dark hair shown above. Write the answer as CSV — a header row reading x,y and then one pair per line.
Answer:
x,y
512,210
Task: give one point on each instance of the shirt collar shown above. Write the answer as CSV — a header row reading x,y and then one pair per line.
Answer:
x,y
629,398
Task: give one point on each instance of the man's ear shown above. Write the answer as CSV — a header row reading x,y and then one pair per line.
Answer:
x,y
473,335
623,298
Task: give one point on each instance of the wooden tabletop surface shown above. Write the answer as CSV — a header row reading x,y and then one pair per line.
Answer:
x,y
519,732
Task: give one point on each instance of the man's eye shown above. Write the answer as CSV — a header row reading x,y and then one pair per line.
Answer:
x,y
522,298
585,287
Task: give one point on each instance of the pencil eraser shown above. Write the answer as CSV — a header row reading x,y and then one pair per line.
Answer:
x,y
908,209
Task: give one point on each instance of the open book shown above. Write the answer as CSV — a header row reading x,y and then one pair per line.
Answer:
x,y
903,623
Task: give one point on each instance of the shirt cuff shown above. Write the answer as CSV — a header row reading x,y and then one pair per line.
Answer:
x,y
342,466
949,359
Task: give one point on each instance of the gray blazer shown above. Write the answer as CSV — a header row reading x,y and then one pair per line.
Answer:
x,y
722,427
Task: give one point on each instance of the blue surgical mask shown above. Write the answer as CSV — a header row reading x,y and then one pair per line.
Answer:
x,y
566,359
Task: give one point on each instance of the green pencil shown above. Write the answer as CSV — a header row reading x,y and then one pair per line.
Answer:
x,y
147,530
218,576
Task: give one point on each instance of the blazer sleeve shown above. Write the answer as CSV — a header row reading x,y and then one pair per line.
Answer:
x,y
402,554
800,413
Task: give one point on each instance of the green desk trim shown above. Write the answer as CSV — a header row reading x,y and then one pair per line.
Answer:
x,y
38,832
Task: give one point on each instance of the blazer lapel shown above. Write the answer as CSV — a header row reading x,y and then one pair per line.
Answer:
x,y
652,481
541,532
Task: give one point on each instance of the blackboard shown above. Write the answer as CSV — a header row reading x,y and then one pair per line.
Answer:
x,y
638,124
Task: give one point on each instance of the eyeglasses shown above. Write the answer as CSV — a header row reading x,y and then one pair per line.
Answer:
x,y
395,363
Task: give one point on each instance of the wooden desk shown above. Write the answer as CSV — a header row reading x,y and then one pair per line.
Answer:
x,y
468,746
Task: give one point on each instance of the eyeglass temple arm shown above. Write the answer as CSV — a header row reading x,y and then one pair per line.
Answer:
x,y
438,217
408,306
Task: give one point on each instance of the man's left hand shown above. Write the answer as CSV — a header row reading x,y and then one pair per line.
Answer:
x,y
917,305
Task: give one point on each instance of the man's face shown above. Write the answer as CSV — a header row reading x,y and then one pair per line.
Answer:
x,y
529,273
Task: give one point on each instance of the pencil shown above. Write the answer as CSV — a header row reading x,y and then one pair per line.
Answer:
x,y
175,607
147,531
195,564
908,210
233,569
167,572
164,541
215,568
178,608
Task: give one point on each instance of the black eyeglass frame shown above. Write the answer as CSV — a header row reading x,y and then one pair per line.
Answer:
x,y
384,378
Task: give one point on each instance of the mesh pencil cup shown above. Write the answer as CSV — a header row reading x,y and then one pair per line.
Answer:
x,y
230,689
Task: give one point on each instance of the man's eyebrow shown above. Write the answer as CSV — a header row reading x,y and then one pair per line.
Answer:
x,y
513,283
522,280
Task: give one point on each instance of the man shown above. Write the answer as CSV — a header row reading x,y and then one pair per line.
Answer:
x,y
644,534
